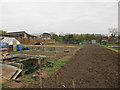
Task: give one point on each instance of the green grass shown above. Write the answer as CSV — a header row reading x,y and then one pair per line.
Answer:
x,y
17,52
56,65
27,43
36,74
109,47
28,79
111,44
51,43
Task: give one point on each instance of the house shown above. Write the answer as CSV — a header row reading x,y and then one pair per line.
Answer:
x,y
45,36
21,34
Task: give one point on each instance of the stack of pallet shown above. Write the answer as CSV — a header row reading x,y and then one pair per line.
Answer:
x,y
4,54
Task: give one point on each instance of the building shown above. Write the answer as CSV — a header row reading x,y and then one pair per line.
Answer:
x,y
46,36
93,41
21,34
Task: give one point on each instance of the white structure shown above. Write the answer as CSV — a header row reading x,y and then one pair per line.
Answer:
x,y
10,41
93,41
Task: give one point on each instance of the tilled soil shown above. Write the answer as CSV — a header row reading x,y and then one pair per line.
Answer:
x,y
91,67
52,55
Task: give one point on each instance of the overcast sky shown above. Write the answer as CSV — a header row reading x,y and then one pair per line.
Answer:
x,y
59,17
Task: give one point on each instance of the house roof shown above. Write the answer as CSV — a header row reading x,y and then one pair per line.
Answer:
x,y
46,34
14,34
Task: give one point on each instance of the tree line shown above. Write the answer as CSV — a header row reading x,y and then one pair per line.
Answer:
x,y
76,38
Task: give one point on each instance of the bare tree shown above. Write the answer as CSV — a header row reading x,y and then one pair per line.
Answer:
x,y
113,32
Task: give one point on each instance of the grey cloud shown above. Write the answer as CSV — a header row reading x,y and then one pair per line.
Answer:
x,y
69,17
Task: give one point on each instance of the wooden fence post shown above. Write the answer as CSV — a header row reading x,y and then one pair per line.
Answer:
x,y
73,84
22,68
57,81
40,81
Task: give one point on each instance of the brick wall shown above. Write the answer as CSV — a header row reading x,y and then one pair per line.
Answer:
x,y
26,40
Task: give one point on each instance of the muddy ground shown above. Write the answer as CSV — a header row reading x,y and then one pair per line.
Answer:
x,y
91,67
51,56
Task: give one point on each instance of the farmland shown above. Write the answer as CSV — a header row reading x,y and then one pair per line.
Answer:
x,y
54,44
91,66
88,69
57,56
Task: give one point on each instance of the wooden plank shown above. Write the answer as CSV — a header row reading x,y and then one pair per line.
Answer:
x,y
7,71
48,46
16,74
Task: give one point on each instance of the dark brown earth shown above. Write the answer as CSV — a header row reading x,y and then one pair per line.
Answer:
x,y
91,67
52,55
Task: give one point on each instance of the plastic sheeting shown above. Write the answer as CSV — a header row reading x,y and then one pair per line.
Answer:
x,y
10,41
2,44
